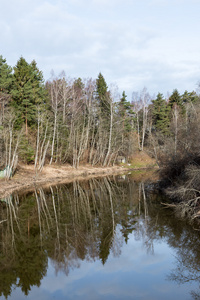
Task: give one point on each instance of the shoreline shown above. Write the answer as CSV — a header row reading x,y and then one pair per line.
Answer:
x,y
26,178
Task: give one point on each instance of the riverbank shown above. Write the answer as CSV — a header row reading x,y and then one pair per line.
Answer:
x,y
26,177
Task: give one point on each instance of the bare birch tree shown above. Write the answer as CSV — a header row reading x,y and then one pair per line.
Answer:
x,y
11,139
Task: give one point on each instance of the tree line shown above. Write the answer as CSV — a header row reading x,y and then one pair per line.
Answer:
x,y
75,121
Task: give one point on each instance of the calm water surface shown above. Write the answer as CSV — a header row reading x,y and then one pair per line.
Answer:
x,y
107,238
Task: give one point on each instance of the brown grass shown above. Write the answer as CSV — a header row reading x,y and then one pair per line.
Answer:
x,y
142,159
26,177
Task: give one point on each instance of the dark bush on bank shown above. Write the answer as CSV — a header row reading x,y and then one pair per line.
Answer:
x,y
181,182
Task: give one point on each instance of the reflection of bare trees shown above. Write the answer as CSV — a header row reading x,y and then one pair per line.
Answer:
x,y
85,221
10,218
82,220
159,224
187,262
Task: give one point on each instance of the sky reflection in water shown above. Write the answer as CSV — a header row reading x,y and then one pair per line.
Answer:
x,y
146,267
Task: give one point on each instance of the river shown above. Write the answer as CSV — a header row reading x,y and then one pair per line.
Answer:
x,y
105,238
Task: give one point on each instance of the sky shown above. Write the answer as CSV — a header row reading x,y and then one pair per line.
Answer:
x,y
133,43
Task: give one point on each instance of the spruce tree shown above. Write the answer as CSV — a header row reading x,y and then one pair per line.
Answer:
x,y
160,113
124,105
190,97
37,82
175,99
103,96
28,91
176,104
78,87
125,112
6,77
6,81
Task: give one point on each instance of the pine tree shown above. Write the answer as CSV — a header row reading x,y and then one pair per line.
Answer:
x,y
160,113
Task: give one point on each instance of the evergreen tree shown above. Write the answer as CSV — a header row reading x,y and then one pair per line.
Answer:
x,y
175,99
28,91
124,105
125,112
37,82
160,113
189,97
78,84
6,77
103,96
78,87
6,80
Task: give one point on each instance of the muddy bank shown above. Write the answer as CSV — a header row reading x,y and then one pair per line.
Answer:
x,y
26,177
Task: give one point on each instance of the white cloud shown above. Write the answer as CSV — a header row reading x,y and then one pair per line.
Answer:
x,y
134,43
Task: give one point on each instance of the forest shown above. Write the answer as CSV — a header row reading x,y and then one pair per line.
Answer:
x,y
83,121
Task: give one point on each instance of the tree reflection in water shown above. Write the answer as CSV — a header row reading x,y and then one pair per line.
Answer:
x,y
86,220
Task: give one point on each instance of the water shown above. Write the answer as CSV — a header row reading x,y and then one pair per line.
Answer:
x,y
107,238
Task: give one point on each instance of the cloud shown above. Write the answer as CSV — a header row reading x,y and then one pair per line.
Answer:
x,y
133,43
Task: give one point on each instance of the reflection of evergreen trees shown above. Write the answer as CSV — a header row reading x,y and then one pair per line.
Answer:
x,y
22,262
66,223
85,221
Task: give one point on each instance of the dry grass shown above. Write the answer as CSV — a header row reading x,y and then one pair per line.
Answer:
x,y
26,177
142,160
